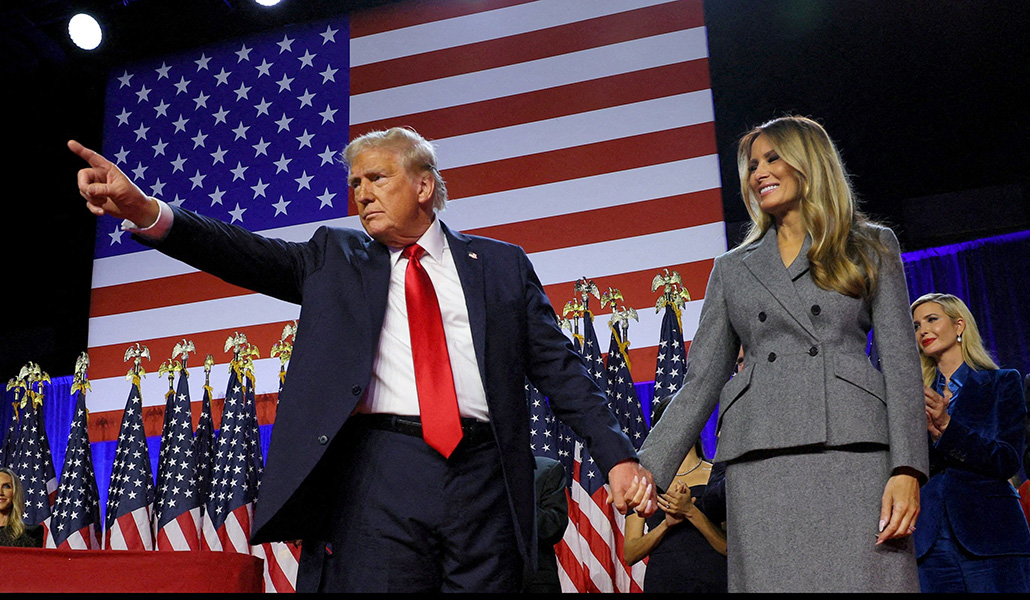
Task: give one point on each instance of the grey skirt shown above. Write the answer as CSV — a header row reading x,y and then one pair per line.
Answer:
x,y
806,521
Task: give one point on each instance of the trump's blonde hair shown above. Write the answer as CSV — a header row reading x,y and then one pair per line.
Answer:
x,y
416,152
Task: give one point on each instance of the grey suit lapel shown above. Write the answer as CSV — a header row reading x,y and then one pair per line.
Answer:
x,y
764,262
470,271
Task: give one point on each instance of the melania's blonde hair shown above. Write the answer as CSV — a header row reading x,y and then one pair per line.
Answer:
x,y
846,249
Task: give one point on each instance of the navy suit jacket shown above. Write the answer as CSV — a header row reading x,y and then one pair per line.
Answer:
x,y
970,466
340,279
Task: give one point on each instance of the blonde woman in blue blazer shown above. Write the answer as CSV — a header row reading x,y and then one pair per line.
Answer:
x,y
972,535
825,452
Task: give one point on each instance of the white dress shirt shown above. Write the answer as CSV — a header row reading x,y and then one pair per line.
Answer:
x,y
392,389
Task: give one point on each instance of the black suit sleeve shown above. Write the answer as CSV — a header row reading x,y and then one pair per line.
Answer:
x,y
560,373
552,502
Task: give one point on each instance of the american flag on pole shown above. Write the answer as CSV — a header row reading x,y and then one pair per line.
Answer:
x,y
671,363
130,498
281,559
76,519
622,394
543,426
177,516
34,464
9,450
204,441
590,553
234,478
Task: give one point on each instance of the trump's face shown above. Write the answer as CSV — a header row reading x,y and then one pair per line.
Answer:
x,y
395,206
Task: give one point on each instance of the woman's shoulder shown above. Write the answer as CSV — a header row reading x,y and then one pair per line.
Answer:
x,y
881,233
1005,376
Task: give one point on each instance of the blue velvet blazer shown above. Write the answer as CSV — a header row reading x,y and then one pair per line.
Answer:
x,y
970,466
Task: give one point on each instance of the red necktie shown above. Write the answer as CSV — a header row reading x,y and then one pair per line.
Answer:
x,y
437,401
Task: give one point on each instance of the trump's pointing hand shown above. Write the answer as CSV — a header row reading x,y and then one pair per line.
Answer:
x,y
109,192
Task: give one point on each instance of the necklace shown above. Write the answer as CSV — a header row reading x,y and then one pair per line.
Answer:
x,y
691,469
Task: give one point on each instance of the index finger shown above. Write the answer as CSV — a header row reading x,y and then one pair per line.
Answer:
x,y
94,159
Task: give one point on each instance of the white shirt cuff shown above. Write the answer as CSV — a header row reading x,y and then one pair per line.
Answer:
x,y
158,229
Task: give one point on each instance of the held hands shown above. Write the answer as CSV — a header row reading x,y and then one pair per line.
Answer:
x,y
677,503
632,488
937,417
899,507
108,191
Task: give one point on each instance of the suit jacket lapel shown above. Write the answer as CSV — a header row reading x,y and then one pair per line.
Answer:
x,y
764,262
470,271
375,280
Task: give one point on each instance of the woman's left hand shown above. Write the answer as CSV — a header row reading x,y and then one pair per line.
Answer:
x,y
899,507
936,412
677,503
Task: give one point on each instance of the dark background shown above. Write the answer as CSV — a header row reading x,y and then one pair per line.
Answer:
x,y
928,100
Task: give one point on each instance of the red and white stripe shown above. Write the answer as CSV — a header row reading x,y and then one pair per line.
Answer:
x,y
233,535
83,539
181,533
130,531
282,559
590,554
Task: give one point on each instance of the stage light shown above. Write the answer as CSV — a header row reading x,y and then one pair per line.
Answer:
x,y
267,2
85,31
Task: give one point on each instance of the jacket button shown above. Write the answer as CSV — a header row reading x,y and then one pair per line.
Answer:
x,y
816,309
761,317
772,357
356,390
322,439
813,351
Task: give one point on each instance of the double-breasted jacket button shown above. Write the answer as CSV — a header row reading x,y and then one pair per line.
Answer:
x,y
816,309
761,316
356,390
772,357
813,351
323,439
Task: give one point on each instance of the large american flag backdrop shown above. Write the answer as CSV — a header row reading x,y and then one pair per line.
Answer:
x,y
581,130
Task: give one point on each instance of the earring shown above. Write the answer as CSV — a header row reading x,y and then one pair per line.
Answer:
x,y
960,338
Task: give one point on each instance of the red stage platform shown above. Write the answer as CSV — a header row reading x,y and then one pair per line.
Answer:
x,y
46,570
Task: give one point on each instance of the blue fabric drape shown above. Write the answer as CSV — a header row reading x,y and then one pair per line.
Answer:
x,y
992,276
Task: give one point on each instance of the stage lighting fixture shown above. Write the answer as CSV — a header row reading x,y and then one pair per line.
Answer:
x,y
85,31
267,2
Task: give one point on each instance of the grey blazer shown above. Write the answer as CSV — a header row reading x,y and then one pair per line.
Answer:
x,y
807,379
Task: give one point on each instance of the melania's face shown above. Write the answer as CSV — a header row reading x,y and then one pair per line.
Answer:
x,y
772,180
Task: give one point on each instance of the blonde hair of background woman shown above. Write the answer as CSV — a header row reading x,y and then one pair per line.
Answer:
x,y
14,523
974,353
845,250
